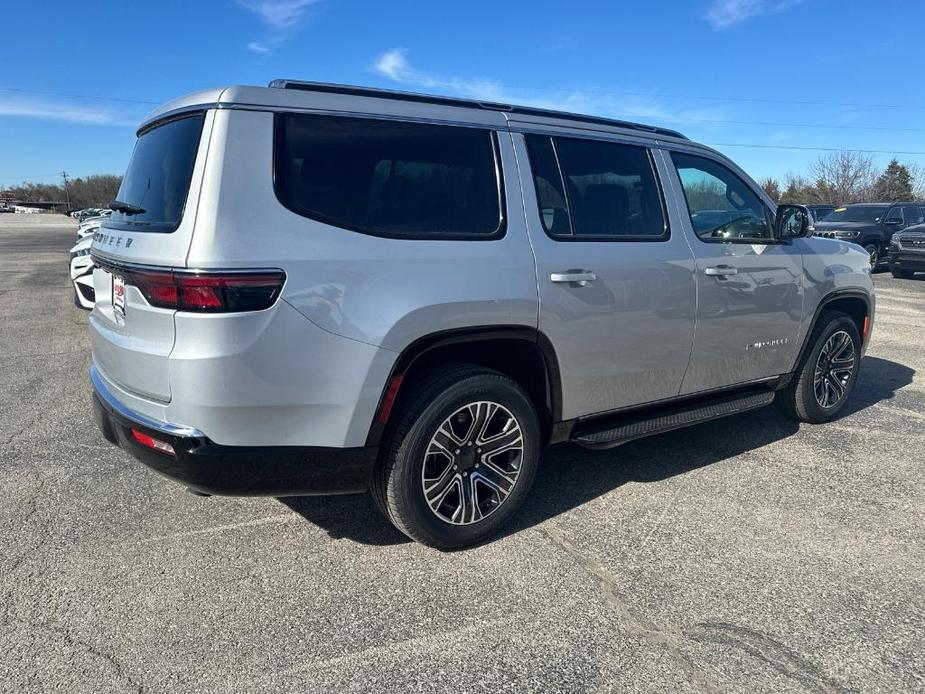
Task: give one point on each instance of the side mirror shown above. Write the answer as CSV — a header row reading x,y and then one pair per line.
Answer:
x,y
793,222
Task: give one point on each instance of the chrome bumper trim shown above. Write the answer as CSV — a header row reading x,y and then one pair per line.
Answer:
x,y
106,395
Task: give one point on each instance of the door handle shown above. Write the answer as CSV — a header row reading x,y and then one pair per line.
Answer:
x,y
579,277
720,271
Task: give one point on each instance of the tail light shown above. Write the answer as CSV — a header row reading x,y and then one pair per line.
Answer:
x,y
153,443
205,292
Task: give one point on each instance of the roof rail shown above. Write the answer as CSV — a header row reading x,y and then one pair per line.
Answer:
x,y
466,103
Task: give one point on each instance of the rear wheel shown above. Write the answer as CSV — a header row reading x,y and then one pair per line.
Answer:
x,y
460,459
826,376
873,250
901,274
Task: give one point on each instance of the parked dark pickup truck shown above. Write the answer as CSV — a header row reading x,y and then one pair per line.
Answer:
x,y
907,252
871,225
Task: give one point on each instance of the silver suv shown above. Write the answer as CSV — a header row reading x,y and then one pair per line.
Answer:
x,y
313,288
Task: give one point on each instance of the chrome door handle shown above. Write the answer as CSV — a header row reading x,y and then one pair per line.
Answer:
x,y
721,271
580,277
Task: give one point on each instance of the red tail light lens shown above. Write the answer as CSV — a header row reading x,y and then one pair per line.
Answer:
x,y
205,292
153,443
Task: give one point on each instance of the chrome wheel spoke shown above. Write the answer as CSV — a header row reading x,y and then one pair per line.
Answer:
x,y
502,442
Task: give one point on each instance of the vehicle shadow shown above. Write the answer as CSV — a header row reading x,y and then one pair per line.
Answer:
x,y
569,476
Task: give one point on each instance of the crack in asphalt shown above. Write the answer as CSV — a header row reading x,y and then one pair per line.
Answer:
x,y
783,659
667,638
88,647
760,646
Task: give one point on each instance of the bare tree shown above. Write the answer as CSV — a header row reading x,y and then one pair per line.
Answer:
x,y
843,177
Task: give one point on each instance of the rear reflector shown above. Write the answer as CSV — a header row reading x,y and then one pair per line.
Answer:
x,y
865,327
204,292
389,402
153,443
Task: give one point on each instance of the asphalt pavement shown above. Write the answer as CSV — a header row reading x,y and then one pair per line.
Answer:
x,y
750,554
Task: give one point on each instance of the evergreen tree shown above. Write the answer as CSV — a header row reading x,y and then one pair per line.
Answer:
x,y
894,184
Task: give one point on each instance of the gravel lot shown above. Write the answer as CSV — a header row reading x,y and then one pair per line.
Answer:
x,y
745,555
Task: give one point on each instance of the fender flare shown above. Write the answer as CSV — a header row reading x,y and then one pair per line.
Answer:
x,y
423,345
827,300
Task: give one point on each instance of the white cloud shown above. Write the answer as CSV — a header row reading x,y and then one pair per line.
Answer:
x,y
61,111
725,13
394,65
279,18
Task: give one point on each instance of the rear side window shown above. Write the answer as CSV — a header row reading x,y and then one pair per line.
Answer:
x,y
387,178
596,190
158,177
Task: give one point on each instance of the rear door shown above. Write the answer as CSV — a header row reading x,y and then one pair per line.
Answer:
x,y
131,339
749,287
615,279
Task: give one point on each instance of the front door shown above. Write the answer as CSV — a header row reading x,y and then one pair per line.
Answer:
x,y
749,285
615,282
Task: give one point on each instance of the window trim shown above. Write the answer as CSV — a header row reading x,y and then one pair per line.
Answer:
x,y
500,231
573,237
768,217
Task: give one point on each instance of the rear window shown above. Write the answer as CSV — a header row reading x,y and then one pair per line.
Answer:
x,y
158,177
594,190
387,178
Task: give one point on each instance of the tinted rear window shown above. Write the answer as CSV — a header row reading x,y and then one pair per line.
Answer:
x,y
609,192
387,178
158,176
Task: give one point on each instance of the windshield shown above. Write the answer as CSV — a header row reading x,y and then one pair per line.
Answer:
x,y
862,213
158,176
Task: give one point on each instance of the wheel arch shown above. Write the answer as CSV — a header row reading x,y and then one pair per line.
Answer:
x,y
523,353
855,303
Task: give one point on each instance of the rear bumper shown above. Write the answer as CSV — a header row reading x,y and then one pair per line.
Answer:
x,y
211,468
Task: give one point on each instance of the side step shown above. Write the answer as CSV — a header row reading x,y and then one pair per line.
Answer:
x,y
619,429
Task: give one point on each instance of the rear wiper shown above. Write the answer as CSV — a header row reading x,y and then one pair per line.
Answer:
x,y
124,207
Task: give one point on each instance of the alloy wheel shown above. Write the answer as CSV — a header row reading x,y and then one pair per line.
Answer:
x,y
874,254
472,463
834,369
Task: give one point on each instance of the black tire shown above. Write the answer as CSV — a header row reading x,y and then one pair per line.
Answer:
x,y
901,274
398,485
873,250
799,399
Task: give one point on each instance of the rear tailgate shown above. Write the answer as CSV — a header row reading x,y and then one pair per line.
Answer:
x,y
132,339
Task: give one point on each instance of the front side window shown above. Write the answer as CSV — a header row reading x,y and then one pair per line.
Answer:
x,y
722,206
388,178
596,190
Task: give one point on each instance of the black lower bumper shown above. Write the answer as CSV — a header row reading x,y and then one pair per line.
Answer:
x,y
913,262
240,471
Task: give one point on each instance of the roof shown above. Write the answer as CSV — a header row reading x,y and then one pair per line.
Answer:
x,y
282,94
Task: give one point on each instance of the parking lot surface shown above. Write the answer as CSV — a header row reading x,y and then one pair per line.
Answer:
x,y
749,554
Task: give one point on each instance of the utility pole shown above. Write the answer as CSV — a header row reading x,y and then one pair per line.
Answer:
x,y
67,193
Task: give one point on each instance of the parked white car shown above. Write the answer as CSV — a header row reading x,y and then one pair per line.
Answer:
x,y
82,273
89,226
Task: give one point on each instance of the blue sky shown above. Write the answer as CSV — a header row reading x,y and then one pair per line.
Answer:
x,y
773,74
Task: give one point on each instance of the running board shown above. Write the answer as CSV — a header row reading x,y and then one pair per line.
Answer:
x,y
622,429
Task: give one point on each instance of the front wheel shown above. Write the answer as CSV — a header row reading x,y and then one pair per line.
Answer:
x,y
827,374
873,250
460,459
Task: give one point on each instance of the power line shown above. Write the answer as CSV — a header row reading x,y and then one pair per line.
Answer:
x,y
78,96
815,149
743,99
